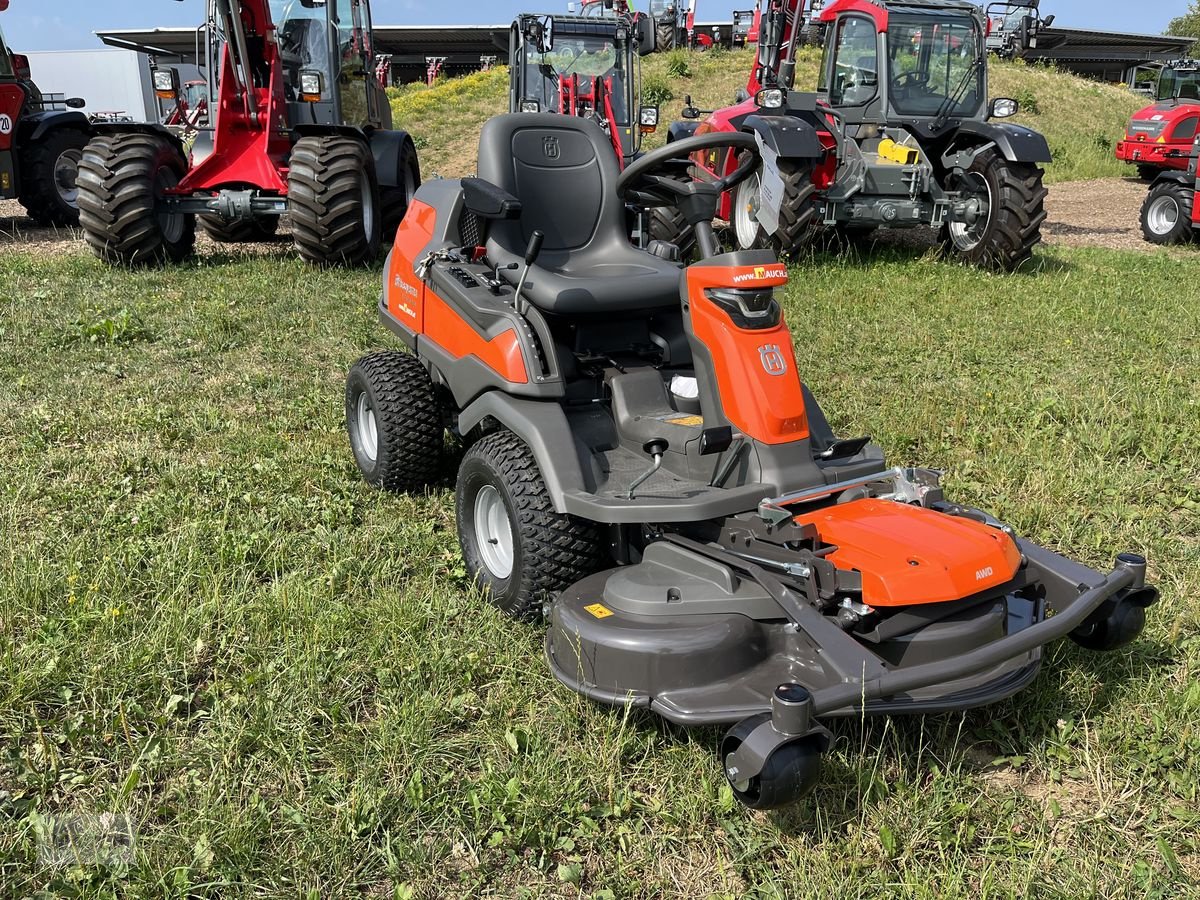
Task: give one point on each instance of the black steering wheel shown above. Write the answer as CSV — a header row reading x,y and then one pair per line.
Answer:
x,y
905,81
646,183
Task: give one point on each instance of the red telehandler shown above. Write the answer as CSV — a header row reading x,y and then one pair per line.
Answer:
x,y
300,125
1170,214
1160,136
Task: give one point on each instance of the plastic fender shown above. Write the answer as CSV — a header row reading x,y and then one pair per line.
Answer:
x,y
403,292
788,136
680,130
1174,175
756,375
34,126
387,148
1016,142
543,427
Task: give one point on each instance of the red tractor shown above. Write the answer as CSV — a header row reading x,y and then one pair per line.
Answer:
x,y
900,133
1160,136
41,142
300,126
1170,214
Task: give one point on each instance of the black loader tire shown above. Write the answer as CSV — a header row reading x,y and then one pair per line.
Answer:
x,y
550,550
333,201
813,34
664,38
121,177
46,200
798,222
393,392
243,231
396,199
1014,223
1168,195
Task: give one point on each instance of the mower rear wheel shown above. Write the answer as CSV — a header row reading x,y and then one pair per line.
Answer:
x,y
517,548
790,772
49,171
1167,213
243,231
333,201
394,421
1003,239
122,178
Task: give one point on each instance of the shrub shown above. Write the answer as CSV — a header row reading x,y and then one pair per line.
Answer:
x,y
678,65
1028,101
656,91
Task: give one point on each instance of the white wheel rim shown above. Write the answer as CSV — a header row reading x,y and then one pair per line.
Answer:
x,y
1163,215
368,428
745,216
368,204
66,170
967,237
494,532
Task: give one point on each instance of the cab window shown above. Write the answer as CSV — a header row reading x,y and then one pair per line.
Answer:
x,y
854,78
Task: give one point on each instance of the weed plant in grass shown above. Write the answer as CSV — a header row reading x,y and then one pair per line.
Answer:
x,y
211,625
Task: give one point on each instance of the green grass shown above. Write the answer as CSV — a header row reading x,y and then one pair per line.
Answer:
x,y
1081,119
212,625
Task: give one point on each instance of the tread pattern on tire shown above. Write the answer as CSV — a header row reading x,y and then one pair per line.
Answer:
x,y
409,420
1182,232
38,192
243,231
556,549
325,201
664,38
798,214
117,202
1017,227
666,223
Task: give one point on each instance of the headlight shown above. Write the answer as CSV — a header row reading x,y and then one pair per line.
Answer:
x,y
771,98
530,106
649,118
165,83
311,86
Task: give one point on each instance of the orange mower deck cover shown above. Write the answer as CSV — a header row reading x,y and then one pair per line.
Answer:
x,y
909,555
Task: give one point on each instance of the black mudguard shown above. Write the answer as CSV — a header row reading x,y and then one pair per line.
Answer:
x,y
1173,175
680,130
790,137
388,147
34,126
139,128
1016,142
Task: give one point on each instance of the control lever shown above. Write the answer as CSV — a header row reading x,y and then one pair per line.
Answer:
x,y
656,448
496,282
531,254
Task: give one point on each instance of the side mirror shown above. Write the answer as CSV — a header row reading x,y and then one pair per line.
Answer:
x,y
76,103
689,111
647,35
1003,107
1047,22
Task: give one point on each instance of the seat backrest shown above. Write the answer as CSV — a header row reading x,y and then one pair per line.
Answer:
x,y
564,171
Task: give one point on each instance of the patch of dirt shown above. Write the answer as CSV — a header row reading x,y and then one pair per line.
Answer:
x,y
1103,212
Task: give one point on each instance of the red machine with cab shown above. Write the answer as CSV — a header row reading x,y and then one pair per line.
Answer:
x,y
1160,136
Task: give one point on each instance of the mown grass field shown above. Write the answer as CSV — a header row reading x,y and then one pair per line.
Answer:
x,y
1081,119
211,625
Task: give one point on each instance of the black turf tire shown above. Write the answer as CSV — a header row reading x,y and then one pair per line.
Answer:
x,y
551,551
330,224
243,231
664,38
790,773
40,194
1148,173
395,200
120,179
409,422
1014,223
813,34
798,224
1171,194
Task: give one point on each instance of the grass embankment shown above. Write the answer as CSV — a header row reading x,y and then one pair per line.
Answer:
x,y
1081,119
212,625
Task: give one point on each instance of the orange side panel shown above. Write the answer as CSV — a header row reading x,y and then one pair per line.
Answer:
x,y
910,555
405,293
755,370
447,329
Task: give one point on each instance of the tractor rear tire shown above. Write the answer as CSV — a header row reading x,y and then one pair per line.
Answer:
x,y
517,548
333,201
664,38
797,215
394,421
667,224
1017,207
396,200
121,179
49,170
243,231
1167,214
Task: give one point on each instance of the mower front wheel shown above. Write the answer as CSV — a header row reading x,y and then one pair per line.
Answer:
x,y
517,548
1167,214
394,421
334,202
1013,206
790,773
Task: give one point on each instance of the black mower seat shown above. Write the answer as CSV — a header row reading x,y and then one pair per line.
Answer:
x,y
564,171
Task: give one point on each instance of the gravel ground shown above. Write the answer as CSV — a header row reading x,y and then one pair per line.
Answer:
x,y
1099,213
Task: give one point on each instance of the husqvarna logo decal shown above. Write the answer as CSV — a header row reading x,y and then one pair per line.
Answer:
x,y
773,360
550,147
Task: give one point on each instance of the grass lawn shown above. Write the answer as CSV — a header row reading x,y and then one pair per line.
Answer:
x,y
210,624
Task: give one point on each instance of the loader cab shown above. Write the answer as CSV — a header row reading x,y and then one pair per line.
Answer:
x,y
1179,81
905,64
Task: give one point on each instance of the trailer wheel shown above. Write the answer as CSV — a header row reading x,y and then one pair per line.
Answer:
x,y
333,201
49,171
395,200
394,421
243,231
1167,213
121,179
797,215
1002,237
517,548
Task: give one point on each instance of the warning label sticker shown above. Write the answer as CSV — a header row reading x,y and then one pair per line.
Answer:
x,y
683,420
599,610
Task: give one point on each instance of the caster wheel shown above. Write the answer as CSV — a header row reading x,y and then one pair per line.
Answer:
x,y
1118,628
790,772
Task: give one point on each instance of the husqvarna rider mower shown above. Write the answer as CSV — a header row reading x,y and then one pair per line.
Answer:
x,y
643,463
